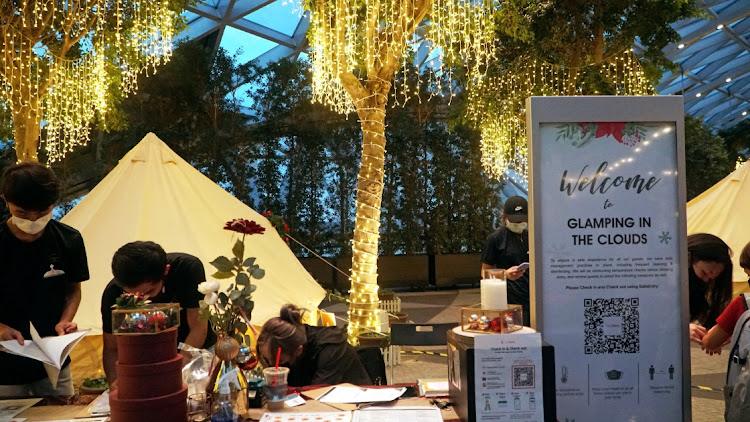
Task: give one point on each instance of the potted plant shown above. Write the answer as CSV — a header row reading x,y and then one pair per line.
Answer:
x,y
96,385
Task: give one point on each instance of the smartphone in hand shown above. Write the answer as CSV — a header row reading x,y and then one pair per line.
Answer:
x,y
522,266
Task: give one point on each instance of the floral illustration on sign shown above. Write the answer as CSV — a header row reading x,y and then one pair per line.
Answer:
x,y
579,134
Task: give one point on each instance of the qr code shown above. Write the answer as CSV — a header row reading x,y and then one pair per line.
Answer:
x,y
611,326
523,376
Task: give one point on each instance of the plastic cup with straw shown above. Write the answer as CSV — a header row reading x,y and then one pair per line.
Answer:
x,y
278,358
276,381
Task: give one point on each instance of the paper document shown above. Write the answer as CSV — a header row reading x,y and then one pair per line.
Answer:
x,y
11,408
100,406
104,419
433,387
51,351
360,395
316,416
398,414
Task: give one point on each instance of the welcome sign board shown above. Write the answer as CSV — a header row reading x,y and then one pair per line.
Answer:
x,y
608,248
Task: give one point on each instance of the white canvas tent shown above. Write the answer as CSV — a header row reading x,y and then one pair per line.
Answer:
x,y
153,194
723,210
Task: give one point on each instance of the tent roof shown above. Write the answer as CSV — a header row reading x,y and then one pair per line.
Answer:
x,y
153,194
722,210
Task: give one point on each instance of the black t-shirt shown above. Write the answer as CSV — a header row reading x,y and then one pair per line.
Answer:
x,y
180,286
505,249
327,358
34,278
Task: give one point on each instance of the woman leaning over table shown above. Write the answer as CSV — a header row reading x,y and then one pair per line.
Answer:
x,y
710,281
314,355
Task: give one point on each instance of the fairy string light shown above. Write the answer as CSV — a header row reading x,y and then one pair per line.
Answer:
x,y
497,104
43,88
356,48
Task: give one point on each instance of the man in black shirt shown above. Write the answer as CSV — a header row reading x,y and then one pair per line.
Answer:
x,y
42,265
144,267
508,247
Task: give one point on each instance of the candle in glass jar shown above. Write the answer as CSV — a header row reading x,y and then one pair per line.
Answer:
x,y
494,293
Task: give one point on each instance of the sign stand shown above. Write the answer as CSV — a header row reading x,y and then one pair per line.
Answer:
x,y
609,254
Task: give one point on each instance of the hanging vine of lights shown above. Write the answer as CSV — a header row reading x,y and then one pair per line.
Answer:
x,y
351,36
497,104
356,47
64,95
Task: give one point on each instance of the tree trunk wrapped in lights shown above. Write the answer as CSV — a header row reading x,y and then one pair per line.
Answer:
x,y
63,61
357,46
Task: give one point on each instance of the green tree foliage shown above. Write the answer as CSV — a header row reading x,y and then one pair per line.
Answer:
x,y
192,104
300,160
577,33
706,157
436,199
737,139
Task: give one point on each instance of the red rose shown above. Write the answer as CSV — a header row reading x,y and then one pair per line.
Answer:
x,y
240,225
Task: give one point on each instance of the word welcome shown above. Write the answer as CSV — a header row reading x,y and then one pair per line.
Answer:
x,y
596,185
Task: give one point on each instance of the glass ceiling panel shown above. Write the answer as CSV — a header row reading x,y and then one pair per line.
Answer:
x,y
246,46
279,16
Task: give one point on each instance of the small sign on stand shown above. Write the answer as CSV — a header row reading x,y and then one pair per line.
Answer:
x,y
508,378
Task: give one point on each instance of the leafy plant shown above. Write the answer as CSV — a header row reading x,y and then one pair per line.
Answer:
x,y
229,311
131,301
99,382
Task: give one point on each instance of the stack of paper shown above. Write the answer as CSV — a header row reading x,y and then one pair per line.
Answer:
x,y
398,414
341,394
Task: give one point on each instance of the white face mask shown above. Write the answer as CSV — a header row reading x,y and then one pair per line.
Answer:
x,y
517,227
32,227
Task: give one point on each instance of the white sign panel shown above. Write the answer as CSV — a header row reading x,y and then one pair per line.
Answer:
x,y
608,237
508,377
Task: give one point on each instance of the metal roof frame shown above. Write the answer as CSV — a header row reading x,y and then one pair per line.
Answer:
x,y
714,63
713,54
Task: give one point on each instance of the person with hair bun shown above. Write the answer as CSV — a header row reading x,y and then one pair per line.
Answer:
x,y
314,355
710,281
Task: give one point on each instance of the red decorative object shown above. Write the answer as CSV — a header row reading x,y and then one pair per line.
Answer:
x,y
168,408
137,381
497,324
150,386
610,128
240,225
139,349
158,320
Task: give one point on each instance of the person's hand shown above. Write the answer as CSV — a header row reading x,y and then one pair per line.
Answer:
x,y
513,273
712,352
697,332
65,327
7,333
